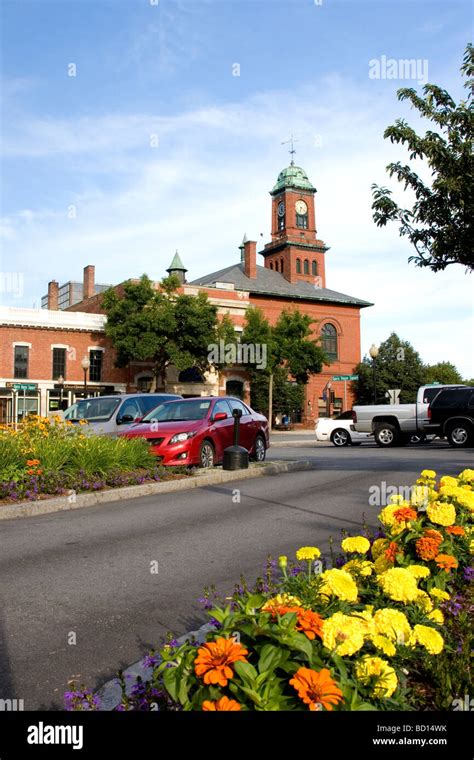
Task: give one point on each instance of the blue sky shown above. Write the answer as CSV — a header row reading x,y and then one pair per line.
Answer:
x,y
156,144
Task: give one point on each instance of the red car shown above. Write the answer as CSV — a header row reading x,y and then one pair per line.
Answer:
x,y
195,431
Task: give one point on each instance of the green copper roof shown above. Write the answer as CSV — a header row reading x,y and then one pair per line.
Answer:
x,y
176,264
293,177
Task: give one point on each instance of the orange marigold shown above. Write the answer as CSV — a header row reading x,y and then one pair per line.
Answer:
x,y
446,562
427,546
456,530
405,514
215,658
316,689
224,703
32,462
434,534
308,622
392,551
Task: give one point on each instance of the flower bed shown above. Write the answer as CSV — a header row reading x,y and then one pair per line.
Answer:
x,y
384,625
49,457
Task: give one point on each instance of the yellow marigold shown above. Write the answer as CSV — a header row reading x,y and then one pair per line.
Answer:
x,y
382,564
357,544
429,474
471,546
441,514
423,601
286,600
386,516
447,480
437,593
359,567
437,616
419,495
393,624
399,584
384,644
376,672
340,583
344,634
379,546
396,499
428,638
467,475
418,571
308,552
466,499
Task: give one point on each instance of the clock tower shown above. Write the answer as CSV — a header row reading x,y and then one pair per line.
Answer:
x,y
294,250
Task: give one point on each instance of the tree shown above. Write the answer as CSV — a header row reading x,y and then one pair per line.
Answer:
x,y
291,351
397,365
442,372
439,224
162,326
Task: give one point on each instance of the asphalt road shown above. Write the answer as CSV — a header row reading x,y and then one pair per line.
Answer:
x,y
86,574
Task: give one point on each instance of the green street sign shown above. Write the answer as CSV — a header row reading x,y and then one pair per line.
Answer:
x,y
345,377
25,387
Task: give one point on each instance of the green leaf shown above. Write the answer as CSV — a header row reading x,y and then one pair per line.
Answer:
x,y
254,602
169,680
270,657
246,671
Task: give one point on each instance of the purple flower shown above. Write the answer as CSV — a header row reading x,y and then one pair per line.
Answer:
x,y
206,603
340,561
469,574
296,570
150,660
215,623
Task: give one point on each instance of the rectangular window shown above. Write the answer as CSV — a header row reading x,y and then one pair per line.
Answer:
x,y
302,221
20,368
95,370
59,363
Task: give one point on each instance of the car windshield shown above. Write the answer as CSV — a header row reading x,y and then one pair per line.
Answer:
x,y
179,411
92,409
151,402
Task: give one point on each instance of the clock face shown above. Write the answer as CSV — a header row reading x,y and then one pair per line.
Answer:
x,y
281,208
301,207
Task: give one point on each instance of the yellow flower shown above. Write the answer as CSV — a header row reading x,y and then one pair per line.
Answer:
x,y
467,475
282,561
396,499
308,553
358,544
393,624
429,638
344,634
286,600
466,499
359,567
429,474
379,546
437,616
338,583
423,601
399,584
447,480
382,564
441,514
418,571
384,644
386,516
419,495
443,596
379,674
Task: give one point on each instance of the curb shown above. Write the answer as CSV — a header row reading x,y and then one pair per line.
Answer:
x,y
77,501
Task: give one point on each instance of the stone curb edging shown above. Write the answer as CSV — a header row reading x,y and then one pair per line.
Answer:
x,y
110,694
76,501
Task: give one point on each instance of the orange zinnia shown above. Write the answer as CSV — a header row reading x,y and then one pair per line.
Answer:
x,y
224,703
405,514
456,530
316,689
308,622
215,658
446,562
32,462
392,551
433,534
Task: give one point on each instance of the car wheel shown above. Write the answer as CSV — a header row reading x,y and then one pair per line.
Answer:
x,y
386,435
206,454
460,435
340,437
259,450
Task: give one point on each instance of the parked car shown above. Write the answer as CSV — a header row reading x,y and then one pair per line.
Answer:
x,y
339,430
108,414
195,431
451,414
398,424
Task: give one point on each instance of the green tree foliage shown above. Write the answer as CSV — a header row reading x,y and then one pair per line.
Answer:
x,y
442,372
163,326
398,365
439,224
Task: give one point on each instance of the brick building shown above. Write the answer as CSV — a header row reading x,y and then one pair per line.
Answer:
x,y
42,349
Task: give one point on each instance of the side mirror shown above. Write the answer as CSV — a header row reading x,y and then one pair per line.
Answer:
x,y
125,419
220,416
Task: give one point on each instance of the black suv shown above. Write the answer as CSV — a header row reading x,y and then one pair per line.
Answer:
x,y
451,414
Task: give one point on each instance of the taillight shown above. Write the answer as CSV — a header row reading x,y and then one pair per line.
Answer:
x,y
429,412
354,416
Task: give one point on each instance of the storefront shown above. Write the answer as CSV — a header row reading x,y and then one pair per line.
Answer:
x,y
17,401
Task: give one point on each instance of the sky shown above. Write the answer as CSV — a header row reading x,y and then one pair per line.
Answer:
x,y
134,128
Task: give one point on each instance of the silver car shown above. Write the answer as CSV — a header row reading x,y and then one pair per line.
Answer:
x,y
107,415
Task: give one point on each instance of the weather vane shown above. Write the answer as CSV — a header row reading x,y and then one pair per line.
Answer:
x,y
292,151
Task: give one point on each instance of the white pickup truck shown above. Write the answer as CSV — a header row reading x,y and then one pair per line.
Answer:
x,y
397,424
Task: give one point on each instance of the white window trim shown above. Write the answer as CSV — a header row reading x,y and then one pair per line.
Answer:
x,y
96,348
59,345
19,343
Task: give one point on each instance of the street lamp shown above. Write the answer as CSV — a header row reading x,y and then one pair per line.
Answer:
x,y
85,366
374,352
61,386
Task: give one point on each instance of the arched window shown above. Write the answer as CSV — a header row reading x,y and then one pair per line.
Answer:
x,y
298,266
281,265
306,266
271,265
329,340
276,265
314,268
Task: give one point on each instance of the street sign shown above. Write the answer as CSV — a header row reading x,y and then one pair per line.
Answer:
x,y
25,387
345,377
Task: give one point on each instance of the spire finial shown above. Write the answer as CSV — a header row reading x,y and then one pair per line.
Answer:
x,y
292,150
